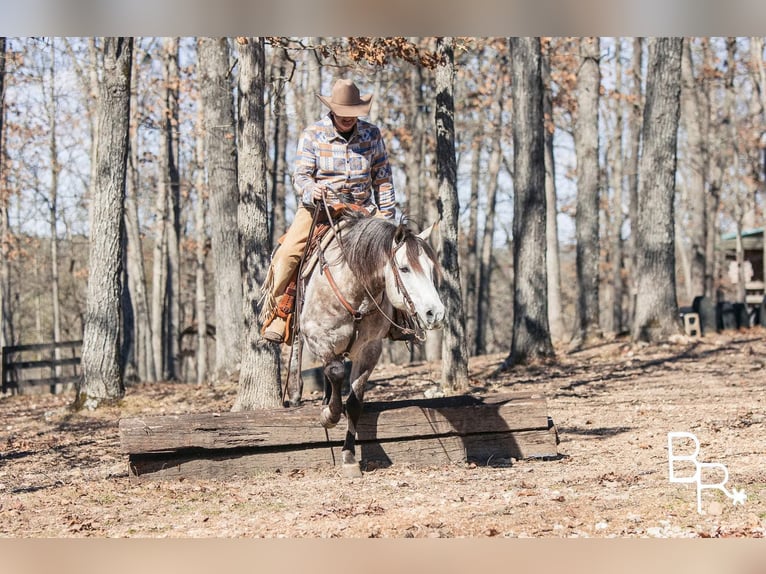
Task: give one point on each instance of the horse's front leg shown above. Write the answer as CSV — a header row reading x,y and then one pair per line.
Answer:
x,y
361,370
334,373
354,404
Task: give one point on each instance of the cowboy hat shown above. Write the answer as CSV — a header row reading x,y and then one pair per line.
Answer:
x,y
345,100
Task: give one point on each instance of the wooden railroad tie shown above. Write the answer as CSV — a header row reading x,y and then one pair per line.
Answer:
x,y
488,430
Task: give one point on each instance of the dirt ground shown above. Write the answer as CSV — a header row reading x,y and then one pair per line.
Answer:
x,y
62,473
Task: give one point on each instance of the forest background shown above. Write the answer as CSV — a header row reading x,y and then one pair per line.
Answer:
x,y
178,194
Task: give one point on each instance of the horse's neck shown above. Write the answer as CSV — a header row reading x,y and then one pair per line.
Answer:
x,y
361,293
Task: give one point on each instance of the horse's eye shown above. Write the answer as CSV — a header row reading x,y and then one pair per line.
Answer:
x,y
404,269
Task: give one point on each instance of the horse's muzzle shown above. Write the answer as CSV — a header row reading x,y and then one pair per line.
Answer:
x,y
433,317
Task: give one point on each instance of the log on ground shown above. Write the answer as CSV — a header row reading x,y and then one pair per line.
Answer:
x,y
489,430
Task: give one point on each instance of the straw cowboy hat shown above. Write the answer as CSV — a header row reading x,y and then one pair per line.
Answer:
x,y
345,100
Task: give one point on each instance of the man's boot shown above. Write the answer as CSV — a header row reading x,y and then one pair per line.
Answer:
x,y
275,331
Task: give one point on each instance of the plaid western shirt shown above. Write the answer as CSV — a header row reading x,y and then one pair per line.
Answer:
x,y
357,170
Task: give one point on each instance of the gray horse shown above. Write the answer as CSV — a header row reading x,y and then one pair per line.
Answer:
x,y
372,267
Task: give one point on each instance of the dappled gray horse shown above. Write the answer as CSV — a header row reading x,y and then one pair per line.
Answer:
x,y
373,267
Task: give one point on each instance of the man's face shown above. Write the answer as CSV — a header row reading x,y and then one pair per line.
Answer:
x,y
344,123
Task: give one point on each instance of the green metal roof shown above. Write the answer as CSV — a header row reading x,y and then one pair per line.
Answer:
x,y
745,233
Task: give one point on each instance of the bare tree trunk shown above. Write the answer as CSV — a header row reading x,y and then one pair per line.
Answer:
x,y
166,272
4,271
614,315
531,334
173,231
259,377
696,204
415,173
221,159
200,298
485,264
471,244
454,351
95,85
586,219
656,305
716,164
632,173
102,381
278,220
159,275
53,204
552,260
759,79
740,207
136,270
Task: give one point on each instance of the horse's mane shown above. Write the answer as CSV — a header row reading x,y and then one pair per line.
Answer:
x,y
368,243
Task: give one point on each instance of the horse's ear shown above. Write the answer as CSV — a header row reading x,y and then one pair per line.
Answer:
x,y
426,233
400,233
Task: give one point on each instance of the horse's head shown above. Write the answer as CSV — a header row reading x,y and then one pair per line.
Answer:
x,y
412,277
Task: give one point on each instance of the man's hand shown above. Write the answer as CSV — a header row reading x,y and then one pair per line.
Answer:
x,y
322,192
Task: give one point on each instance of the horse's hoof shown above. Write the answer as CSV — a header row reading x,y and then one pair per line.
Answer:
x,y
352,470
294,402
324,419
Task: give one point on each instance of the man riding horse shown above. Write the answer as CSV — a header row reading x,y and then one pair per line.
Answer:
x,y
340,159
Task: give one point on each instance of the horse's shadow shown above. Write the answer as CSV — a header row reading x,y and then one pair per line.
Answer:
x,y
486,439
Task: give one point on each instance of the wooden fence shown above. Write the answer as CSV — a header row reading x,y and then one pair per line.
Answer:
x,y
52,364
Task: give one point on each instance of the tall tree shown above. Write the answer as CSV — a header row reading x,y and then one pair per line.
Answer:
x,y
717,162
696,164
4,264
259,375
470,277
759,81
586,323
53,215
101,374
631,169
171,174
455,353
531,332
656,305
415,169
733,202
614,290
166,272
221,158
136,267
487,242
552,260
279,172
200,298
